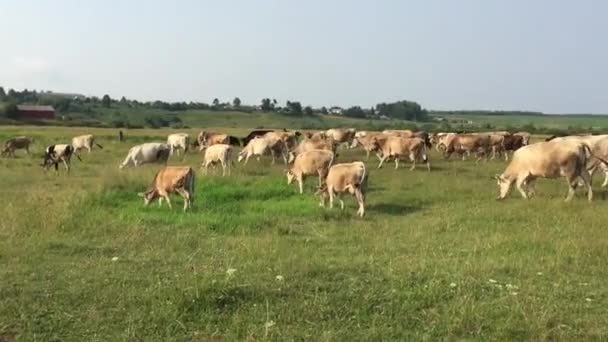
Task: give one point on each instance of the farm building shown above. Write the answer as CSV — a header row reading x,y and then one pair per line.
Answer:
x,y
36,112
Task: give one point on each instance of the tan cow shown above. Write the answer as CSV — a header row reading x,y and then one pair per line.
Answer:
x,y
260,146
347,177
551,159
12,144
210,138
341,135
54,154
310,163
368,144
599,147
177,142
398,147
171,179
468,143
84,142
218,154
309,144
441,140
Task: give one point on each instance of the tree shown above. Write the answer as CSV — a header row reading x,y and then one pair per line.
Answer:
x,y
2,94
215,103
354,112
308,110
236,103
12,94
106,101
324,110
266,105
123,100
405,110
293,108
11,111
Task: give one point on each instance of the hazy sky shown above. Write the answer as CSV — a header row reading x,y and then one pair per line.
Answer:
x,y
546,55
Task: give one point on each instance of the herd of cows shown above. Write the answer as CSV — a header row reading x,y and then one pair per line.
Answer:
x,y
575,158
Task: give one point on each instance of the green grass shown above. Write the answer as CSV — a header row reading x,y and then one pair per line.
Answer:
x,y
436,257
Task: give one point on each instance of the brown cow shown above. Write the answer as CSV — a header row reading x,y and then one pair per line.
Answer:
x,y
12,144
468,143
171,179
397,147
310,163
367,143
347,177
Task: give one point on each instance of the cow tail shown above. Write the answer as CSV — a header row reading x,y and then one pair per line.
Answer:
x,y
587,154
98,145
192,180
73,152
425,157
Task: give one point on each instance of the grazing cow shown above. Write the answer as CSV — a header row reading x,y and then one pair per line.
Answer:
x,y
218,153
598,146
178,141
147,153
84,142
12,144
397,147
260,146
347,177
309,144
367,143
525,136
547,160
255,133
208,138
468,143
341,135
171,179
54,154
310,163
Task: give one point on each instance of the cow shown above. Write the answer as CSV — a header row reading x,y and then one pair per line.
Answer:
x,y
178,141
525,137
260,146
512,143
12,144
218,153
367,143
598,146
54,154
147,153
308,144
468,143
346,177
406,133
397,147
551,159
84,142
171,179
341,135
441,140
262,132
209,138
310,163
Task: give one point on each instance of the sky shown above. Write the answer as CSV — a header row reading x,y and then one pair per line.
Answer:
x,y
541,55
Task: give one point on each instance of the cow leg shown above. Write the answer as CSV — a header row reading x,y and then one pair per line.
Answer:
x,y
521,180
605,184
341,202
529,186
301,183
223,162
587,182
396,162
361,201
168,201
572,183
160,201
413,160
330,190
186,196
382,161
367,155
273,157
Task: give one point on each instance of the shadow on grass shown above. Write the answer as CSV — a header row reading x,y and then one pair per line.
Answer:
x,y
394,209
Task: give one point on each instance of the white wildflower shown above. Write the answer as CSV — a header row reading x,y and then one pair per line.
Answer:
x,y
114,258
511,287
539,273
513,293
588,299
279,277
492,281
230,271
269,324
453,285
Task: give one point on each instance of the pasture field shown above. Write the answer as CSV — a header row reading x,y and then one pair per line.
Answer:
x,y
436,257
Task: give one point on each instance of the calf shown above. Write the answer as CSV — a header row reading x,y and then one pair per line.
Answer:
x,y
547,160
171,179
12,144
348,177
147,153
219,153
178,141
310,163
54,154
84,142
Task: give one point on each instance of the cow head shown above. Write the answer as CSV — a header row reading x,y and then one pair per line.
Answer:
x,y
504,186
148,196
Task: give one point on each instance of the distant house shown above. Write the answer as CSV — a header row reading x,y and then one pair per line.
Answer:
x,y
32,112
336,111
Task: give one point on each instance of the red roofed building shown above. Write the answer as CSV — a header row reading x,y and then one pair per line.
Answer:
x,y
32,112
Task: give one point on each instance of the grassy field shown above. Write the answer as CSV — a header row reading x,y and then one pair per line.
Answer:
x,y
539,121
436,257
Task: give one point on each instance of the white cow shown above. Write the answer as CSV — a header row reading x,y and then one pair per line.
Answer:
x,y
178,141
84,142
147,153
